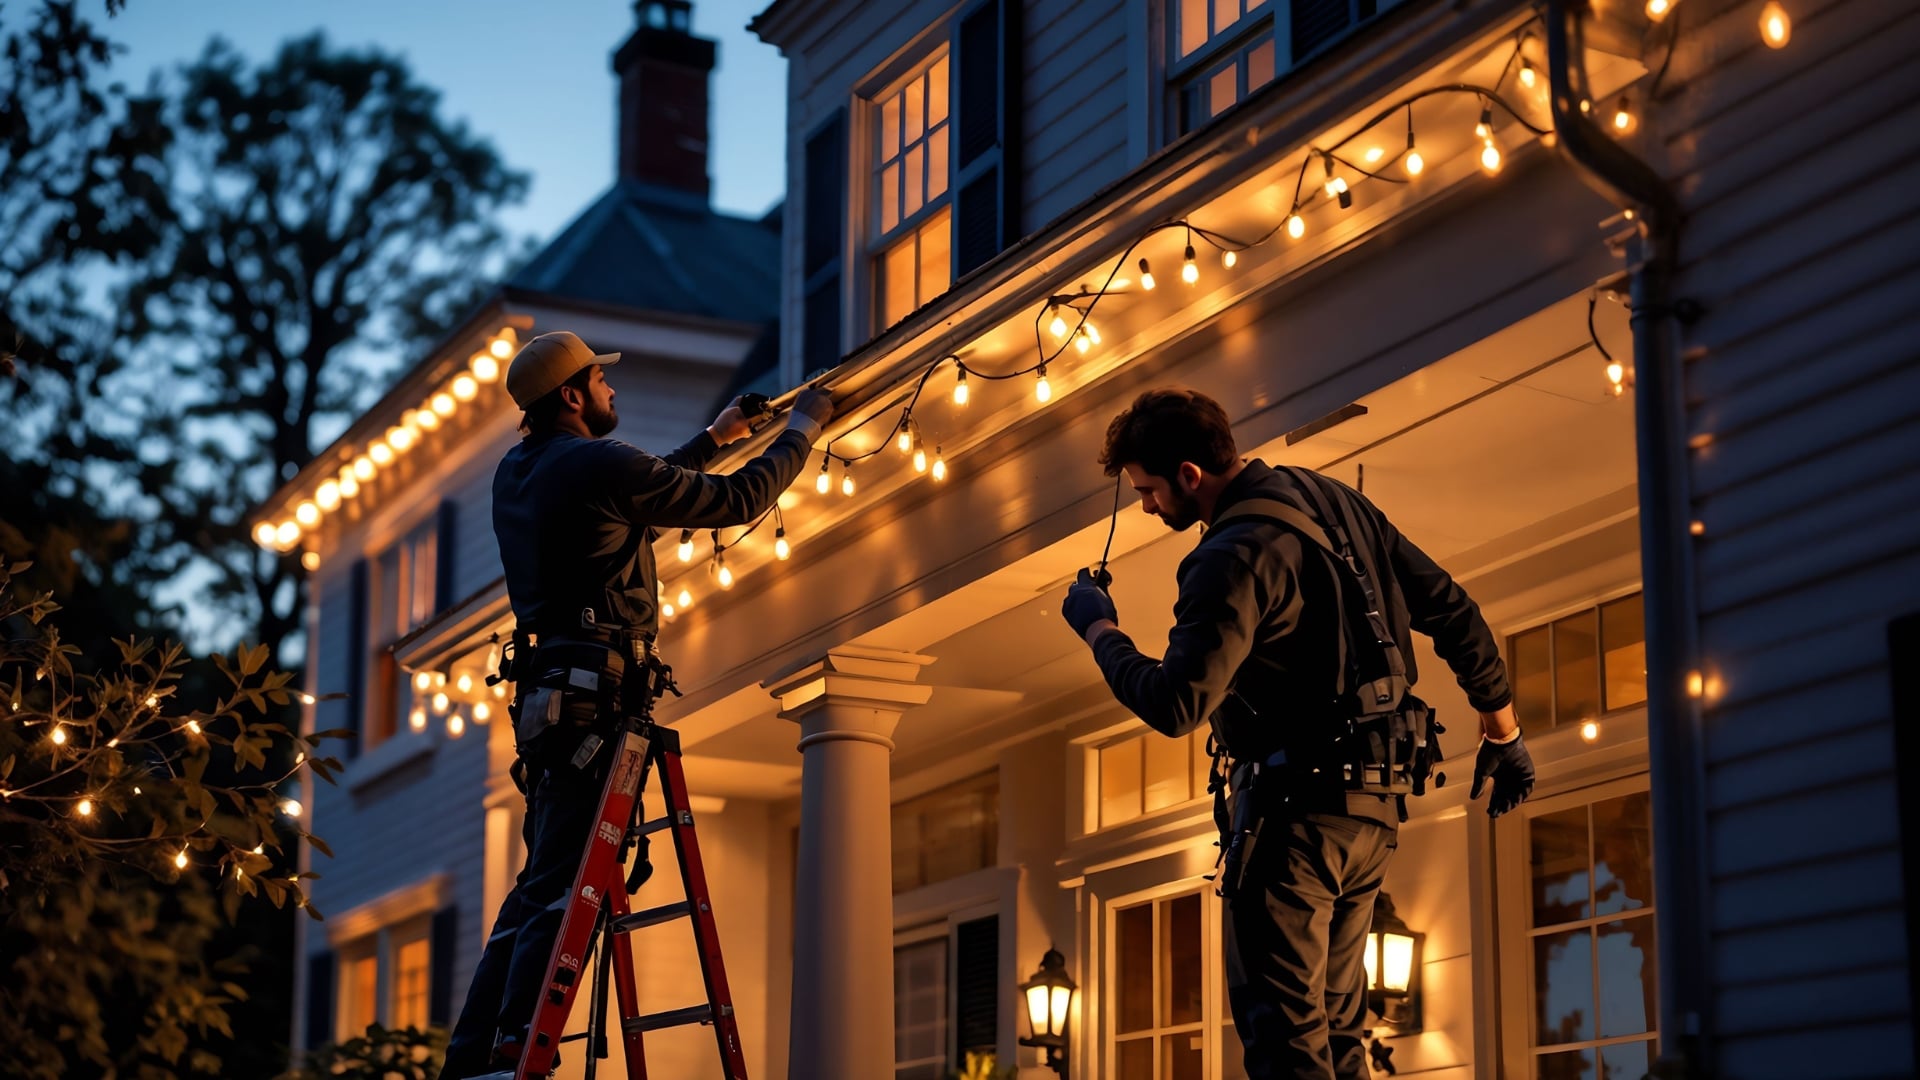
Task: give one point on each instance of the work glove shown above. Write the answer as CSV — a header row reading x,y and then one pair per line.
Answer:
x,y
1087,602
1511,768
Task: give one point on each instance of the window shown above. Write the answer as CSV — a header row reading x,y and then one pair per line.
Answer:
x,y
1221,51
1590,939
946,990
1166,1025
405,592
920,1011
1143,773
387,976
946,833
411,976
913,222
1580,666
359,993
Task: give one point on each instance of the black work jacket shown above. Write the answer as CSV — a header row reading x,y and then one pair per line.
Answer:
x,y
576,519
1253,589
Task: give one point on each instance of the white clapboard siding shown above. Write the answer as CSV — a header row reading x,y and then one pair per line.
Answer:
x,y
1074,92
1797,171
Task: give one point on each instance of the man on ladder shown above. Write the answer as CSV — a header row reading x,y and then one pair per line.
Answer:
x,y
576,514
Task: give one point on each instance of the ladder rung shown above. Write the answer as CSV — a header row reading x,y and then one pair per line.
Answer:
x,y
652,917
648,828
695,1014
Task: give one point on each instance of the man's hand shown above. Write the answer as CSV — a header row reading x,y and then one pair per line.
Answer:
x,y
731,425
816,405
1087,603
1511,768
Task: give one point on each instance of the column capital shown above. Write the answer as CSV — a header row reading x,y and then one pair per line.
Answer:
x,y
857,676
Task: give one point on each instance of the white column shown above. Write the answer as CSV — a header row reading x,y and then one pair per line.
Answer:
x,y
847,705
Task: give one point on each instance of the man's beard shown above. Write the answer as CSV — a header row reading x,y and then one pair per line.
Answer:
x,y
1183,511
600,421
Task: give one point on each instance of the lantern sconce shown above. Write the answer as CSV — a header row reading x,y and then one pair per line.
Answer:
x,y
1049,997
1393,969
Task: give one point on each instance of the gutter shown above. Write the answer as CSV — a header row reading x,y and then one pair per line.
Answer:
x,y
1674,723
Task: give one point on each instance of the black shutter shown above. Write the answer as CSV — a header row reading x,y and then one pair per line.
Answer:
x,y
446,925
446,535
986,211
976,1002
319,999
1317,22
822,241
357,656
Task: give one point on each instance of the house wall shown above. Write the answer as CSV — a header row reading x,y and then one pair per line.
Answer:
x,y
1796,174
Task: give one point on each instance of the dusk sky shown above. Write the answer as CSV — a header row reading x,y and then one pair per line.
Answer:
x,y
534,78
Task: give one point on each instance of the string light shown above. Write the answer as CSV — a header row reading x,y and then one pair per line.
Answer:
x,y
502,346
193,726
1490,157
417,719
722,571
919,459
400,438
180,860
1296,226
667,611
423,681
1415,163
1081,342
1093,332
846,479
500,691
327,495
59,735
685,548
1189,270
939,465
1657,9
822,483
425,418
1623,115
1042,390
291,808
484,367
349,484
1590,731
84,808
1528,76
381,453
1776,26
905,441
783,550
1374,154
443,404
441,701
1484,129
1146,276
685,598
287,535
308,699
1617,377
464,684
1228,258
464,388
264,534
456,725
960,389
1058,327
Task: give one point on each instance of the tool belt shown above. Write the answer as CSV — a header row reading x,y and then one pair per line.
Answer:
x,y
587,678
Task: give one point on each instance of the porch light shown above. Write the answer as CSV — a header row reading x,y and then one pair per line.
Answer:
x,y
1393,968
1049,996
1776,26
1146,276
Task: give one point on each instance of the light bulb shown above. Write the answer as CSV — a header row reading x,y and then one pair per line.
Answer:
x,y
464,684
84,808
443,404
400,438
1623,115
502,346
291,808
822,484
685,548
417,719
482,712
920,460
1415,162
464,388
1485,127
423,681
724,573
1058,327
327,495
846,481
1042,389
500,690
59,735
363,468
1189,272
1490,158
1657,9
1776,26
180,860
439,680
193,726
1336,187
1228,258
905,441
939,465
1093,332
685,598
960,389
1375,153
349,484
783,550
1081,342
1528,76
1590,731
288,534
456,725
484,367
310,560
426,418
381,454
1146,276
441,701
1296,226
264,534
667,611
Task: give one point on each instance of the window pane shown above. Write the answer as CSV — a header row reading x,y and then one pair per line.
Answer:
x,y
1530,666
1193,25
1223,89
1623,637
937,87
896,281
915,177
915,109
936,255
1180,960
1627,976
1576,668
920,1005
1181,1057
1136,1059
359,987
1622,854
889,195
1260,65
1577,1065
1560,861
1626,1061
889,147
937,141
1133,966
1120,782
1169,771
1563,988
907,846
410,985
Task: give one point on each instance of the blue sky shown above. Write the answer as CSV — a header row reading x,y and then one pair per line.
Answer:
x,y
534,77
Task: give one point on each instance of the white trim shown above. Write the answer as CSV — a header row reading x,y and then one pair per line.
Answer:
x,y
423,897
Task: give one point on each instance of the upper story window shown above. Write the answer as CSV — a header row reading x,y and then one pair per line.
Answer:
x,y
1581,666
912,178
1221,51
405,594
946,833
1145,772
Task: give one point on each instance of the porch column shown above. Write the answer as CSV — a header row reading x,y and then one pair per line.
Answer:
x,y
847,705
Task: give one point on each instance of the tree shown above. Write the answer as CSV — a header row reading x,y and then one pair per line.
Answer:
x,y
306,214
127,824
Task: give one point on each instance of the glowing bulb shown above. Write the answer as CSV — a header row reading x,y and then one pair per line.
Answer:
x,y
307,514
1484,128
500,691
417,719
264,534
685,548
1375,153
1698,528
423,681
327,495
1081,342
59,735
400,438
1623,115
193,726
1415,163
939,465
905,441
291,808
484,367
920,460
349,484
1228,258
426,418
1590,731
783,550
846,481
1336,187
1058,327
1776,26
960,389
1146,276
1042,389
464,684
685,598
1490,158
84,808
1189,271
381,454
502,346
1528,76
456,725
1616,373
1657,9
725,574
310,560
667,611
308,699
443,404
288,534
1696,684
441,701
1093,332
259,849
180,860
1296,226
464,388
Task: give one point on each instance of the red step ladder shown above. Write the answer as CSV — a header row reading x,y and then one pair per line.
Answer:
x,y
598,919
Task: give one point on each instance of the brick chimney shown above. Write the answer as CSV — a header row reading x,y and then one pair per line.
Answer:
x,y
663,71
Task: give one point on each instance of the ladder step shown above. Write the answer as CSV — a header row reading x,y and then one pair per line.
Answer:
x,y
695,1014
652,917
647,828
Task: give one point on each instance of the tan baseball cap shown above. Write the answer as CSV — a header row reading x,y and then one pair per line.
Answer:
x,y
547,361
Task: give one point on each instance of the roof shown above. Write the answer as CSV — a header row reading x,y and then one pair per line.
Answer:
x,y
655,249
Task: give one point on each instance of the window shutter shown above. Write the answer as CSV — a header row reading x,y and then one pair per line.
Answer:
x,y
976,1003
822,239
445,536
987,150
1317,22
446,927
356,656
319,999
